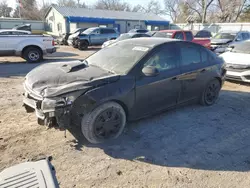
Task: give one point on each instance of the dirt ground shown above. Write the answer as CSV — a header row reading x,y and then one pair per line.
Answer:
x,y
189,147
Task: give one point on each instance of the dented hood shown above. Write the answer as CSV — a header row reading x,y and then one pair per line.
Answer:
x,y
53,79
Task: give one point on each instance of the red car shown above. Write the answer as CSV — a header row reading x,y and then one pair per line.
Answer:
x,y
183,35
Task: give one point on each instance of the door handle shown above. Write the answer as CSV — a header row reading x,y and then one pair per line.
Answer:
x,y
203,70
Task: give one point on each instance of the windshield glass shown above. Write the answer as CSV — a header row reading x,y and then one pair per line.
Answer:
x,y
163,34
243,47
88,31
123,37
230,36
118,58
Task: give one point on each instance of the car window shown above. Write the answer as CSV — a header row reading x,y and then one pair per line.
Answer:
x,y
204,56
239,37
190,54
179,35
107,31
245,36
97,31
164,59
189,36
6,33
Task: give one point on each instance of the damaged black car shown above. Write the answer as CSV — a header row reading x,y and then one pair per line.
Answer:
x,y
126,81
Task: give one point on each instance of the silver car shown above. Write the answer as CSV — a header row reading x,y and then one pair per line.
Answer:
x,y
238,62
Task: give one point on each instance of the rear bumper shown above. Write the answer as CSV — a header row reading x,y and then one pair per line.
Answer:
x,y
239,76
51,50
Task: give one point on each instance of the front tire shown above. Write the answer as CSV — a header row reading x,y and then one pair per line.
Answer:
x,y
105,122
211,93
83,45
33,55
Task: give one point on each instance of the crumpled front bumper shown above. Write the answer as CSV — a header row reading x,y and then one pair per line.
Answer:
x,y
50,115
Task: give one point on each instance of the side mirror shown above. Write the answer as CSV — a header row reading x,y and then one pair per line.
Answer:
x,y
150,71
238,39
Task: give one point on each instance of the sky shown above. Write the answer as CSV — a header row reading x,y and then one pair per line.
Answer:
x,y
12,3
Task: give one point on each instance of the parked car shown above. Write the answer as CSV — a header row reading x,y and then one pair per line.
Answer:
x,y
138,31
237,62
65,36
183,35
30,47
126,81
124,37
202,34
223,39
24,27
95,36
14,32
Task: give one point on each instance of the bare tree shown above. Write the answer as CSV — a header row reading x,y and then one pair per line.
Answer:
x,y
200,7
152,7
67,3
172,9
230,10
112,5
28,10
5,10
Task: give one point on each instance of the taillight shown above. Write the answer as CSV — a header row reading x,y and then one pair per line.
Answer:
x,y
53,42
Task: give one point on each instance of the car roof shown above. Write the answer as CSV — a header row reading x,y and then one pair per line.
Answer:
x,y
229,31
148,41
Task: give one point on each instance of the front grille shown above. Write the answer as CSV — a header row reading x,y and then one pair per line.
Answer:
x,y
24,179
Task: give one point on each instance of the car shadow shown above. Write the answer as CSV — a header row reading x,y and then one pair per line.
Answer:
x,y
61,54
209,138
8,69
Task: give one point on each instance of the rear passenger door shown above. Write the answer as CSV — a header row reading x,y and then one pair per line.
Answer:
x,y
194,71
107,34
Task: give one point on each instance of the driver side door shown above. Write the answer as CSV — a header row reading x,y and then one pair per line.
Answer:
x,y
161,91
95,37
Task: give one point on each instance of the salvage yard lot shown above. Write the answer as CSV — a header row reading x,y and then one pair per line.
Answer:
x,y
191,146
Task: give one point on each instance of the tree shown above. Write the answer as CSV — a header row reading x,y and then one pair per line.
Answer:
x,y
172,9
200,7
152,7
28,10
230,10
112,5
67,3
5,10
245,16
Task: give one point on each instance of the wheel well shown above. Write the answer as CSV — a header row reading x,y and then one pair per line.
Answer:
x,y
219,79
85,41
124,106
33,46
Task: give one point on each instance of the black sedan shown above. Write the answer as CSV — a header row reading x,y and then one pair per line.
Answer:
x,y
128,80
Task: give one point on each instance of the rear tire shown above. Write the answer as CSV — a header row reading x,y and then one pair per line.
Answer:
x,y
83,45
32,55
105,122
210,93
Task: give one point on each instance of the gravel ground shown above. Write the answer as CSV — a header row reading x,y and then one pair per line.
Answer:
x,y
191,146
